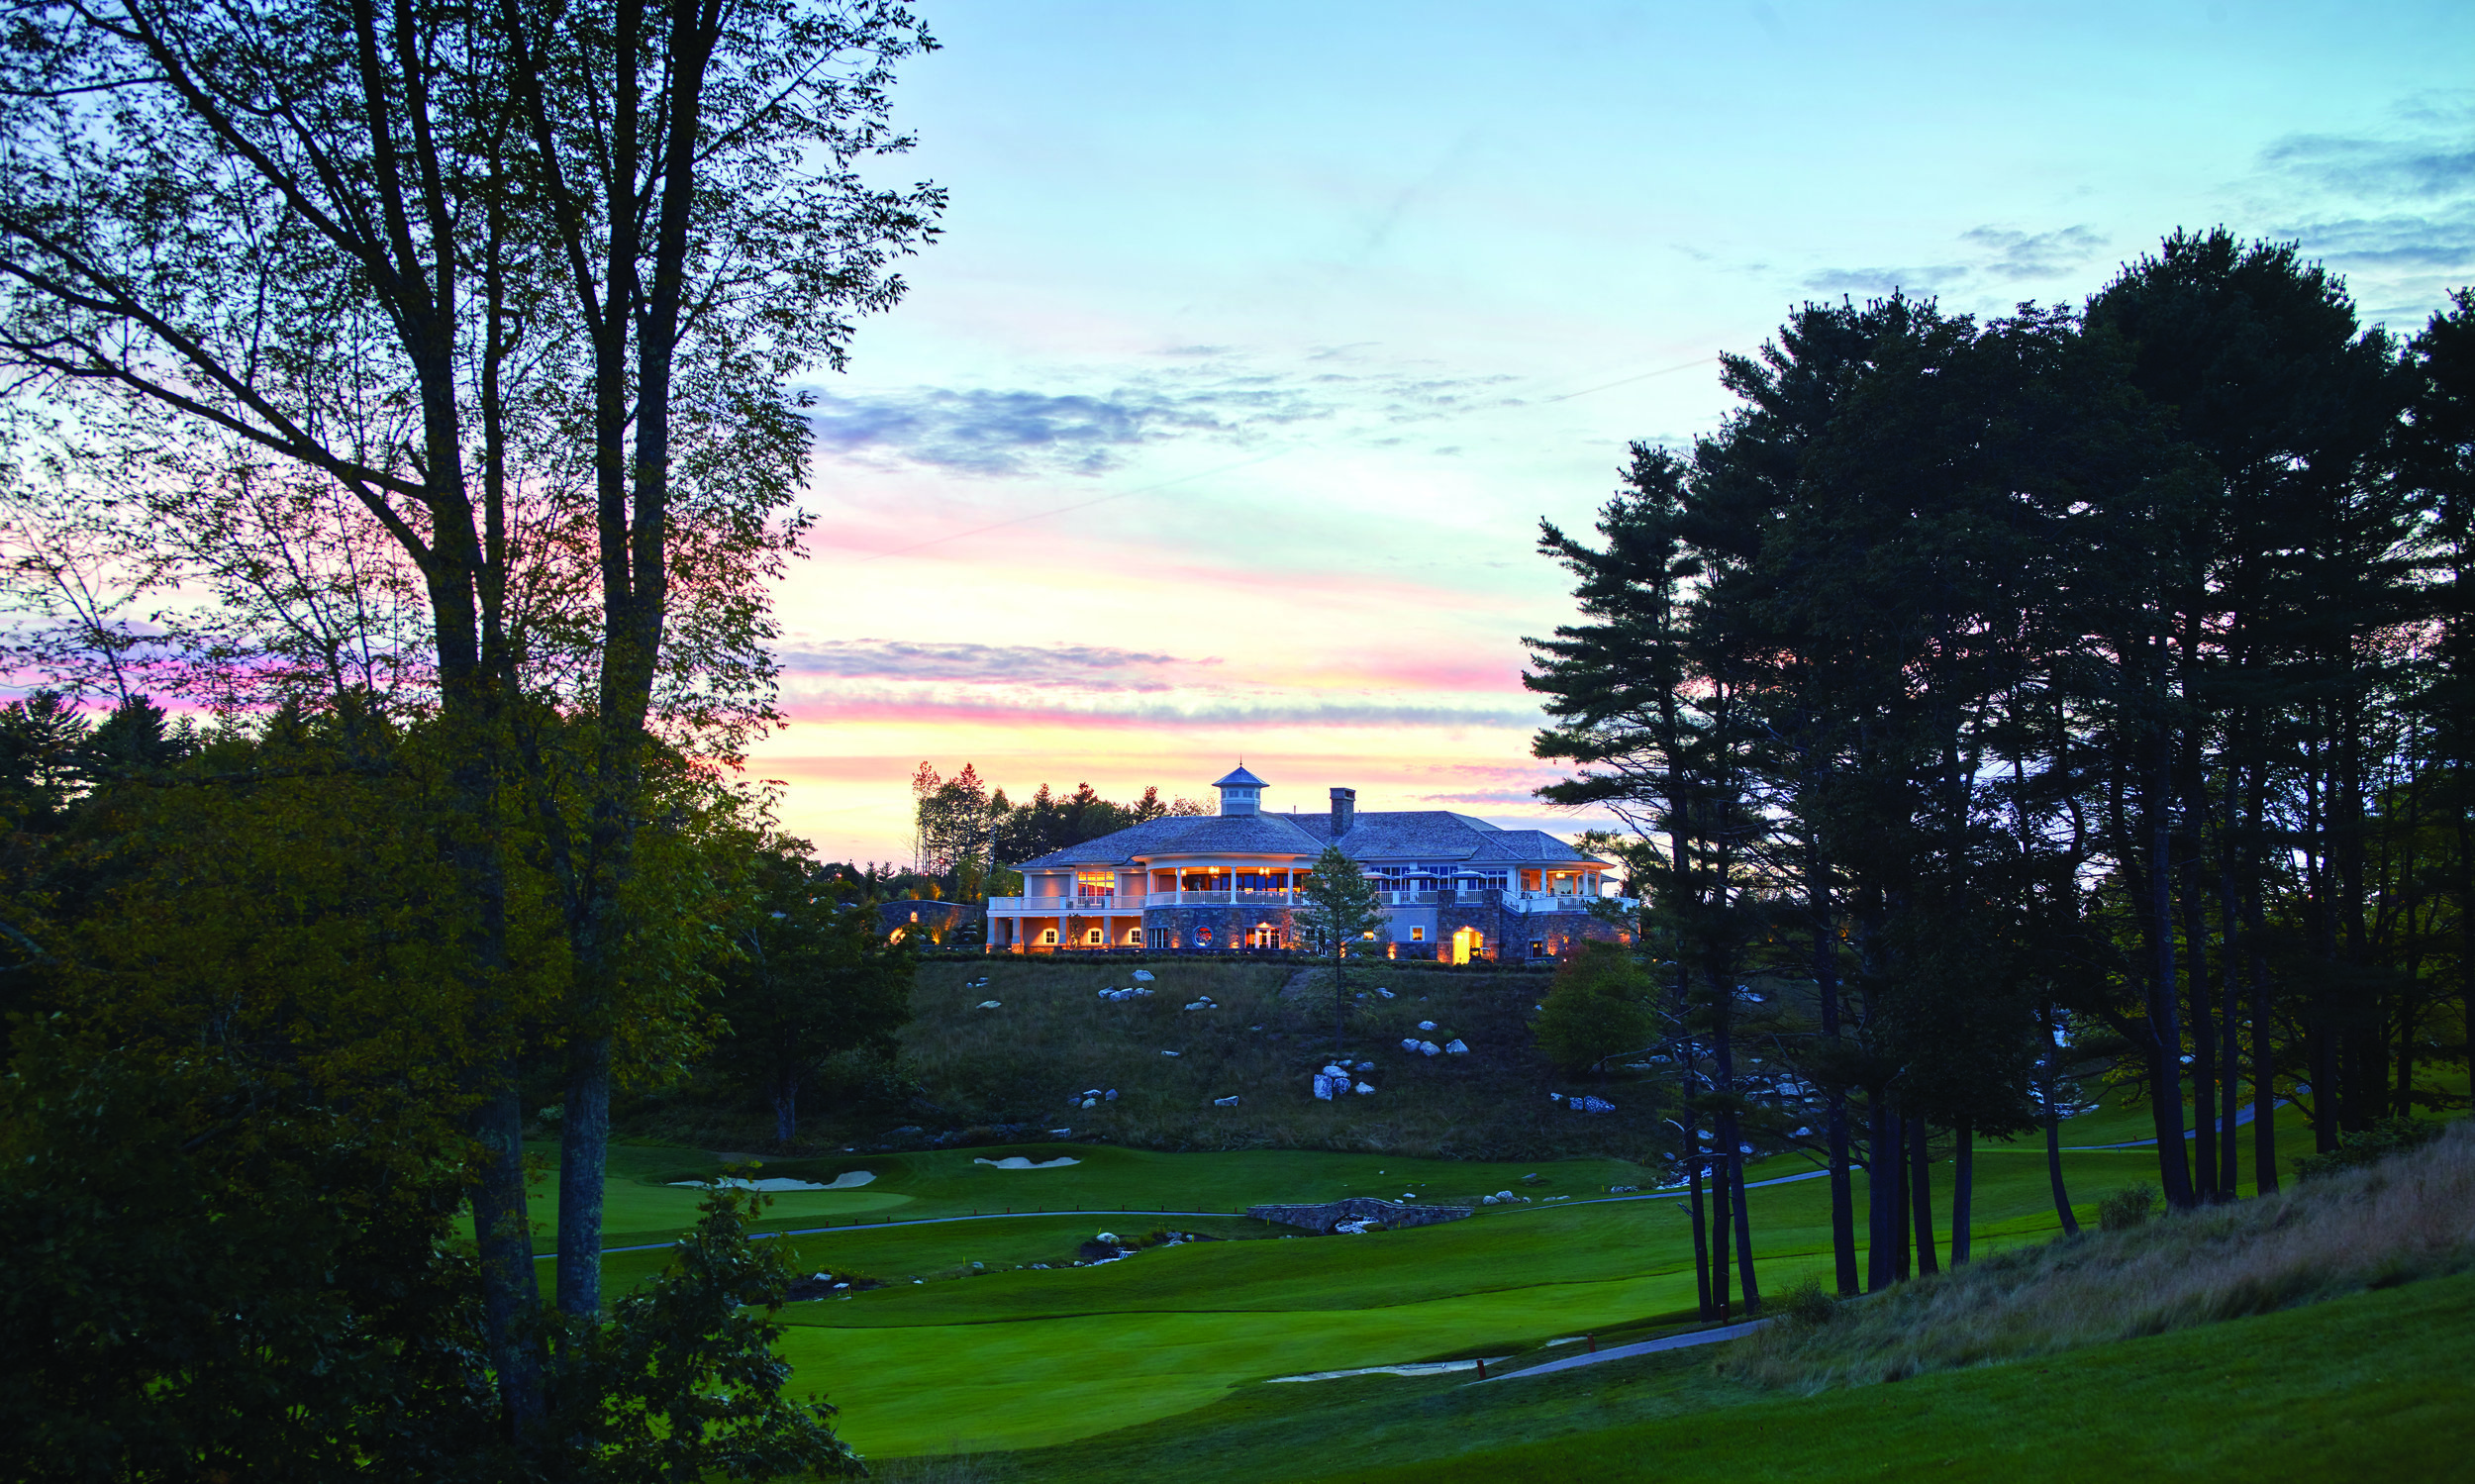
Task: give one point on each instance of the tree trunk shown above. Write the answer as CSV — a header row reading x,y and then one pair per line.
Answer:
x,y
2053,1173
1894,1157
510,1289
1921,1194
1881,1196
1340,996
583,1158
1827,982
2165,1036
1731,1136
2230,1022
1700,1237
2466,914
1963,1192
2263,1053
2204,1039
1745,1281
1843,1200
1718,1244
786,1111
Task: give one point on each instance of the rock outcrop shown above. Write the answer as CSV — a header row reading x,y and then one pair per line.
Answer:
x,y
1328,1218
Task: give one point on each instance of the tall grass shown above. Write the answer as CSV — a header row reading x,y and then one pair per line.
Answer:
x,y
2409,1216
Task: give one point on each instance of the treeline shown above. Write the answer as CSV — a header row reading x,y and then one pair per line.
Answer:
x,y
235,1130
966,830
2083,690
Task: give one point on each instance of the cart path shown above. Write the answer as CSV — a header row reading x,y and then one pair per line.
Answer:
x,y
1643,1348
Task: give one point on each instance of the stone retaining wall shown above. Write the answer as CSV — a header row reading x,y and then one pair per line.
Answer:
x,y
1323,1219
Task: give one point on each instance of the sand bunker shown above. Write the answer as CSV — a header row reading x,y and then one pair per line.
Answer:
x,y
1018,1162
847,1180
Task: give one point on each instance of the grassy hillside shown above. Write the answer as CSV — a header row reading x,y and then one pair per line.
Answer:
x,y
1051,1037
2370,1387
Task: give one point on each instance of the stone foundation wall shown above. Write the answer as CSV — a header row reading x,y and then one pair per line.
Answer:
x,y
1230,925
1324,1218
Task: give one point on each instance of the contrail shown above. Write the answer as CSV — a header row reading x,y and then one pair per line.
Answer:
x,y
1610,386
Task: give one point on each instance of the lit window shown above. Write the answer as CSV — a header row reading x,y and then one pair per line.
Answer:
x,y
1095,938
1047,935
1418,934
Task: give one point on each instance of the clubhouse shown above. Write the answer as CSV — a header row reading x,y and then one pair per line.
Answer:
x,y
1456,888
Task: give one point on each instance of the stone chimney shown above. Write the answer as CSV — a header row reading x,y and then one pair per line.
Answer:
x,y
1344,811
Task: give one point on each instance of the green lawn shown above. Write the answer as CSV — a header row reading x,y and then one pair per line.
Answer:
x,y
1023,1358
1019,1358
640,1205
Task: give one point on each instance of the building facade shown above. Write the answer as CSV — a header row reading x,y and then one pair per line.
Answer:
x,y
1454,887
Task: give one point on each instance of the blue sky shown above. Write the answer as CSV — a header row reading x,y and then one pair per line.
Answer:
x,y
1263,336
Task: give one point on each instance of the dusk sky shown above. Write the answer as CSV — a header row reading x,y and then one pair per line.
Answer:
x,y
1263,336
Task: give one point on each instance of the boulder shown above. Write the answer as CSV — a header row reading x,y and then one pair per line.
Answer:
x,y
1425,1025
1228,1102
1456,1047
1387,994
1168,1053
1328,1218
1624,1190
1429,1048
1322,1088
1110,1096
988,1004
1363,1088
1409,1043
1142,976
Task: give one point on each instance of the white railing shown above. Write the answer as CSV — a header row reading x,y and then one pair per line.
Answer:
x,y
1129,901
1544,901
1079,903
1226,897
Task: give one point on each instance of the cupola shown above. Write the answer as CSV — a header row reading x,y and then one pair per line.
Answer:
x,y
1242,792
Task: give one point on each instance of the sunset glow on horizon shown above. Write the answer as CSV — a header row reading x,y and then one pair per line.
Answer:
x,y
1262,337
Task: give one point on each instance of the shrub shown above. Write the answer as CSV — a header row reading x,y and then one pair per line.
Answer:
x,y
2391,1135
1599,1007
2126,1208
1806,1302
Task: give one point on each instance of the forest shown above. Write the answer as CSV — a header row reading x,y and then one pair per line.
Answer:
x,y
2071,699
